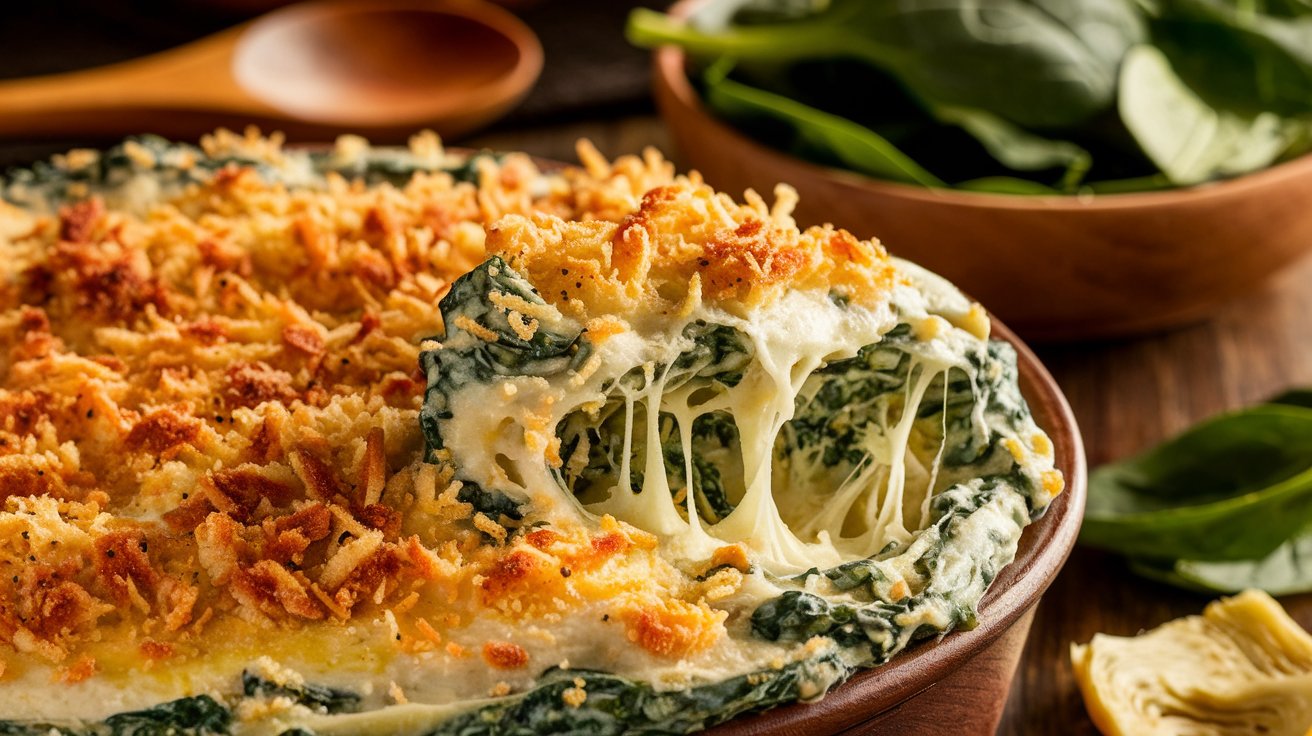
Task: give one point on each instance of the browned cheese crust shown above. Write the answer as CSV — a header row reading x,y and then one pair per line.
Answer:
x,y
208,419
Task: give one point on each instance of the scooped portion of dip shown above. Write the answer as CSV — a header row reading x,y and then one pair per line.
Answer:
x,y
418,442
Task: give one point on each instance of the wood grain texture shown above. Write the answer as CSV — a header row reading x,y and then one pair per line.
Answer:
x,y
1127,395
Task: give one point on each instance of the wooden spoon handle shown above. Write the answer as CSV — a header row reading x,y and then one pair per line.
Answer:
x,y
131,96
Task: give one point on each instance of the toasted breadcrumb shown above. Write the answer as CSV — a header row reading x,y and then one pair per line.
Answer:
x,y
209,409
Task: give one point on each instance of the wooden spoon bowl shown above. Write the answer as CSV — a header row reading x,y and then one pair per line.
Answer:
x,y
317,66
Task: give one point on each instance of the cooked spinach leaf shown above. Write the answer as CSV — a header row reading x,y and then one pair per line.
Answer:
x,y
469,355
616,705
317,697
196,716
892,616
172,166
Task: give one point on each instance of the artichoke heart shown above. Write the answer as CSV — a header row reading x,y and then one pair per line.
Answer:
x,y
1243,667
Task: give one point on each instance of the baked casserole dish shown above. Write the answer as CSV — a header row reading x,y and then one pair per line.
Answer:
x,y
417,442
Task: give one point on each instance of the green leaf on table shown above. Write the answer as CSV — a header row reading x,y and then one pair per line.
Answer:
x,y
854,146
1232,488
1285,571
1188,139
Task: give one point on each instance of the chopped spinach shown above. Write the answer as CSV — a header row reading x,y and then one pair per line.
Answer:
x,y
556,344
616,705
176,165
467,358
200,715
885,617
317,697
715,358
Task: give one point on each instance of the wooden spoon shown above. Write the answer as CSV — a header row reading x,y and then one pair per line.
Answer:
x,y
448,64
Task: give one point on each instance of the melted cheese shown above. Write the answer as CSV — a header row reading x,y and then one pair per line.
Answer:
x,y
793,337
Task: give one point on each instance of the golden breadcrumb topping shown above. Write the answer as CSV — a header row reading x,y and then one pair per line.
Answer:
x,y
685,243
208,420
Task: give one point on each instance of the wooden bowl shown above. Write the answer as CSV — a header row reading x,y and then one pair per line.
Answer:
x,y
1055,268
959,684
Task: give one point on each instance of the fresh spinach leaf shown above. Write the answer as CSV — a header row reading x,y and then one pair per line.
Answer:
x,y
1190,140
849,144
1043,63
1151,183
1230,489
1285,571
1239,56
1018,149
718,15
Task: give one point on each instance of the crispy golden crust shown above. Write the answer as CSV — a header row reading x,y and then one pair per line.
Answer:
x,y
686,243
209,413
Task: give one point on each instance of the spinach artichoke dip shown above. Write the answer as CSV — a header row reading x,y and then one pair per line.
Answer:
x,y
389,441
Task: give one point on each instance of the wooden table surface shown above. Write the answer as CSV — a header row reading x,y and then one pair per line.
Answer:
x,y
1127,395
